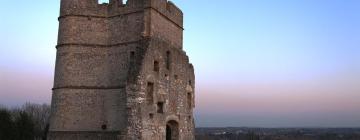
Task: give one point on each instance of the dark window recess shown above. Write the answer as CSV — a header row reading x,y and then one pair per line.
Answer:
x,y
151,116
176,77
150,93
160,107
156,66
132,57
168,133
172,130
168,60
103,127
189,100
190,83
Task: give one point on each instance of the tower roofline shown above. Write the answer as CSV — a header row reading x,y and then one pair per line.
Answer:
x,y
115,8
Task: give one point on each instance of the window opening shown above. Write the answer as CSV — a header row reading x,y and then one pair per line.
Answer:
x,y
189,100
150,93
156,66
168,60
160,107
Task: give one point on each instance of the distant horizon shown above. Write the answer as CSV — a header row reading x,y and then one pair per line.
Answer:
x,y
258,63
285,127
272,127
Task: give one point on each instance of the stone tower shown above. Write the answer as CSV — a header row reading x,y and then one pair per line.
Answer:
x,y
121,73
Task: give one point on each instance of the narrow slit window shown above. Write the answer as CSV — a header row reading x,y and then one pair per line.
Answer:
x,y
132,56
156,66
160,107
168,60
150,93
189,100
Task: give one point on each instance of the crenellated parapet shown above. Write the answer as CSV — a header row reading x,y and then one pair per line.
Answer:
x,y
117,8
81,7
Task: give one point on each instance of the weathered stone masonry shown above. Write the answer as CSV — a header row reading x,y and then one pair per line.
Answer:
x,y
121,73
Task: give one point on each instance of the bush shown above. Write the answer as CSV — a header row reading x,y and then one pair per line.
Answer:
x,y
30,122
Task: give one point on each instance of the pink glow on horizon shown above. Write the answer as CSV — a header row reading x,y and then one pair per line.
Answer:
x,y
25,86
335,94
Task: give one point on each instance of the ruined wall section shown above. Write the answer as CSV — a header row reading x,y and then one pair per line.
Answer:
x,y
170,87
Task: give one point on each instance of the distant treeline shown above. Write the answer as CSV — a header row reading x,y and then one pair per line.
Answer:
x,y
28,122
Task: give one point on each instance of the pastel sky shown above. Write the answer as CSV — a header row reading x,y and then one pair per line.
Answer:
x,y
259,63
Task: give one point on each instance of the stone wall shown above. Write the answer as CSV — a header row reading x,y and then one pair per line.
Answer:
x,y
171,87
109,58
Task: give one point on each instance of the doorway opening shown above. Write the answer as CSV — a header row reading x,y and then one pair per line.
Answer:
x,y
172,130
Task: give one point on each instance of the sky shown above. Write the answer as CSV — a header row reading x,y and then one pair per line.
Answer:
x,y
258,63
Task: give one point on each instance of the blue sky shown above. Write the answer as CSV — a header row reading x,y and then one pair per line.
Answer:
x,y
269,63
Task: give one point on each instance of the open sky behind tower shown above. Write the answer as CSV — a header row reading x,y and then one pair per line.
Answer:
x,y
266,63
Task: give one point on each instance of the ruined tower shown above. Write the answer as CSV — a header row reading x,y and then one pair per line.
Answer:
x,y
121,73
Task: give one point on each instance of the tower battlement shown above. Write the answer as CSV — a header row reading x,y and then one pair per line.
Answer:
x,y
117,8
